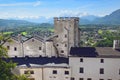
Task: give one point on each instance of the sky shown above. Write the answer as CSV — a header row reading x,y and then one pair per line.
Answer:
x,y
55,8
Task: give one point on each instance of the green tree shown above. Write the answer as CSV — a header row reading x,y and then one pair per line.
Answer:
x,y
6,67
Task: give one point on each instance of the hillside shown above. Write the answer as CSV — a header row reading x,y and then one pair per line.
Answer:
x,y
111,19
4,23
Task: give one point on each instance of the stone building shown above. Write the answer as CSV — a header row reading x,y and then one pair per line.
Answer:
x,y
89,63
59,56
43,68
66,35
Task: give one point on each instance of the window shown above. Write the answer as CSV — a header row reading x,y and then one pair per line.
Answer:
x,y
26,72
8,47
102,61
81,59
57,44
32,40
101,79
15,49
72,78
57,36
65,45
29,72
39,48
119,71
101,71
62,51
81,70
31,78
81,79
89,79
54,71
65,35
67,72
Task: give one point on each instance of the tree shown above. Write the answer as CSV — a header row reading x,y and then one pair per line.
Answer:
x,y
6,67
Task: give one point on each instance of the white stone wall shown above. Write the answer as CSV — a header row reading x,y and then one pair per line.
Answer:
x,y
12,45
37,73
50,49
31,48
92,67
46,73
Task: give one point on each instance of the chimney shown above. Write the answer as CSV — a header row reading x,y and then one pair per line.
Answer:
x,y
116,44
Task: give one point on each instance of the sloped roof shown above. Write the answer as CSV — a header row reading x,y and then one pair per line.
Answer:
x,y
83,51
37,60
94,52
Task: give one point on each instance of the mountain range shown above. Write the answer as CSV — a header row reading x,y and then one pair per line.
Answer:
x,y
111,19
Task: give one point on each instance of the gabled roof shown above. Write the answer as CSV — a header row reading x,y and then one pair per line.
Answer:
x,y
39,38
51,37
16,38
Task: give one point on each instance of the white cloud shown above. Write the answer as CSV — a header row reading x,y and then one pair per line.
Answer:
x,y
37,3
21,4
71,13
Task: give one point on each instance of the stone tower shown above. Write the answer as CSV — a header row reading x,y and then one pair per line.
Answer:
x,y
68,34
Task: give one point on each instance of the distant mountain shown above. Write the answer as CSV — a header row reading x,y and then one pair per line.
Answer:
x,y
113,18
4,24
14,23
89,17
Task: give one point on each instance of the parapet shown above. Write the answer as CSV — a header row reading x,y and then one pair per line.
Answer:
x,y
66,18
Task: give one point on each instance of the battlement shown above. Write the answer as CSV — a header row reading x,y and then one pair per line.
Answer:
x,y
66,18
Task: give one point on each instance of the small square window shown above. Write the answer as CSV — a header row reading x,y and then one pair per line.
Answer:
x,y
65,35
26,72
8,47
65,45
81,79
89,79
81,70
72,78
31,72
62,51
67,72
54,71
81,59
101,71
57,44
32,40
40,48
102,60
15,49
31,78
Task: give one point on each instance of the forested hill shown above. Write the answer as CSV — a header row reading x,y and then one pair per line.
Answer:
x,y
4,23
113,19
